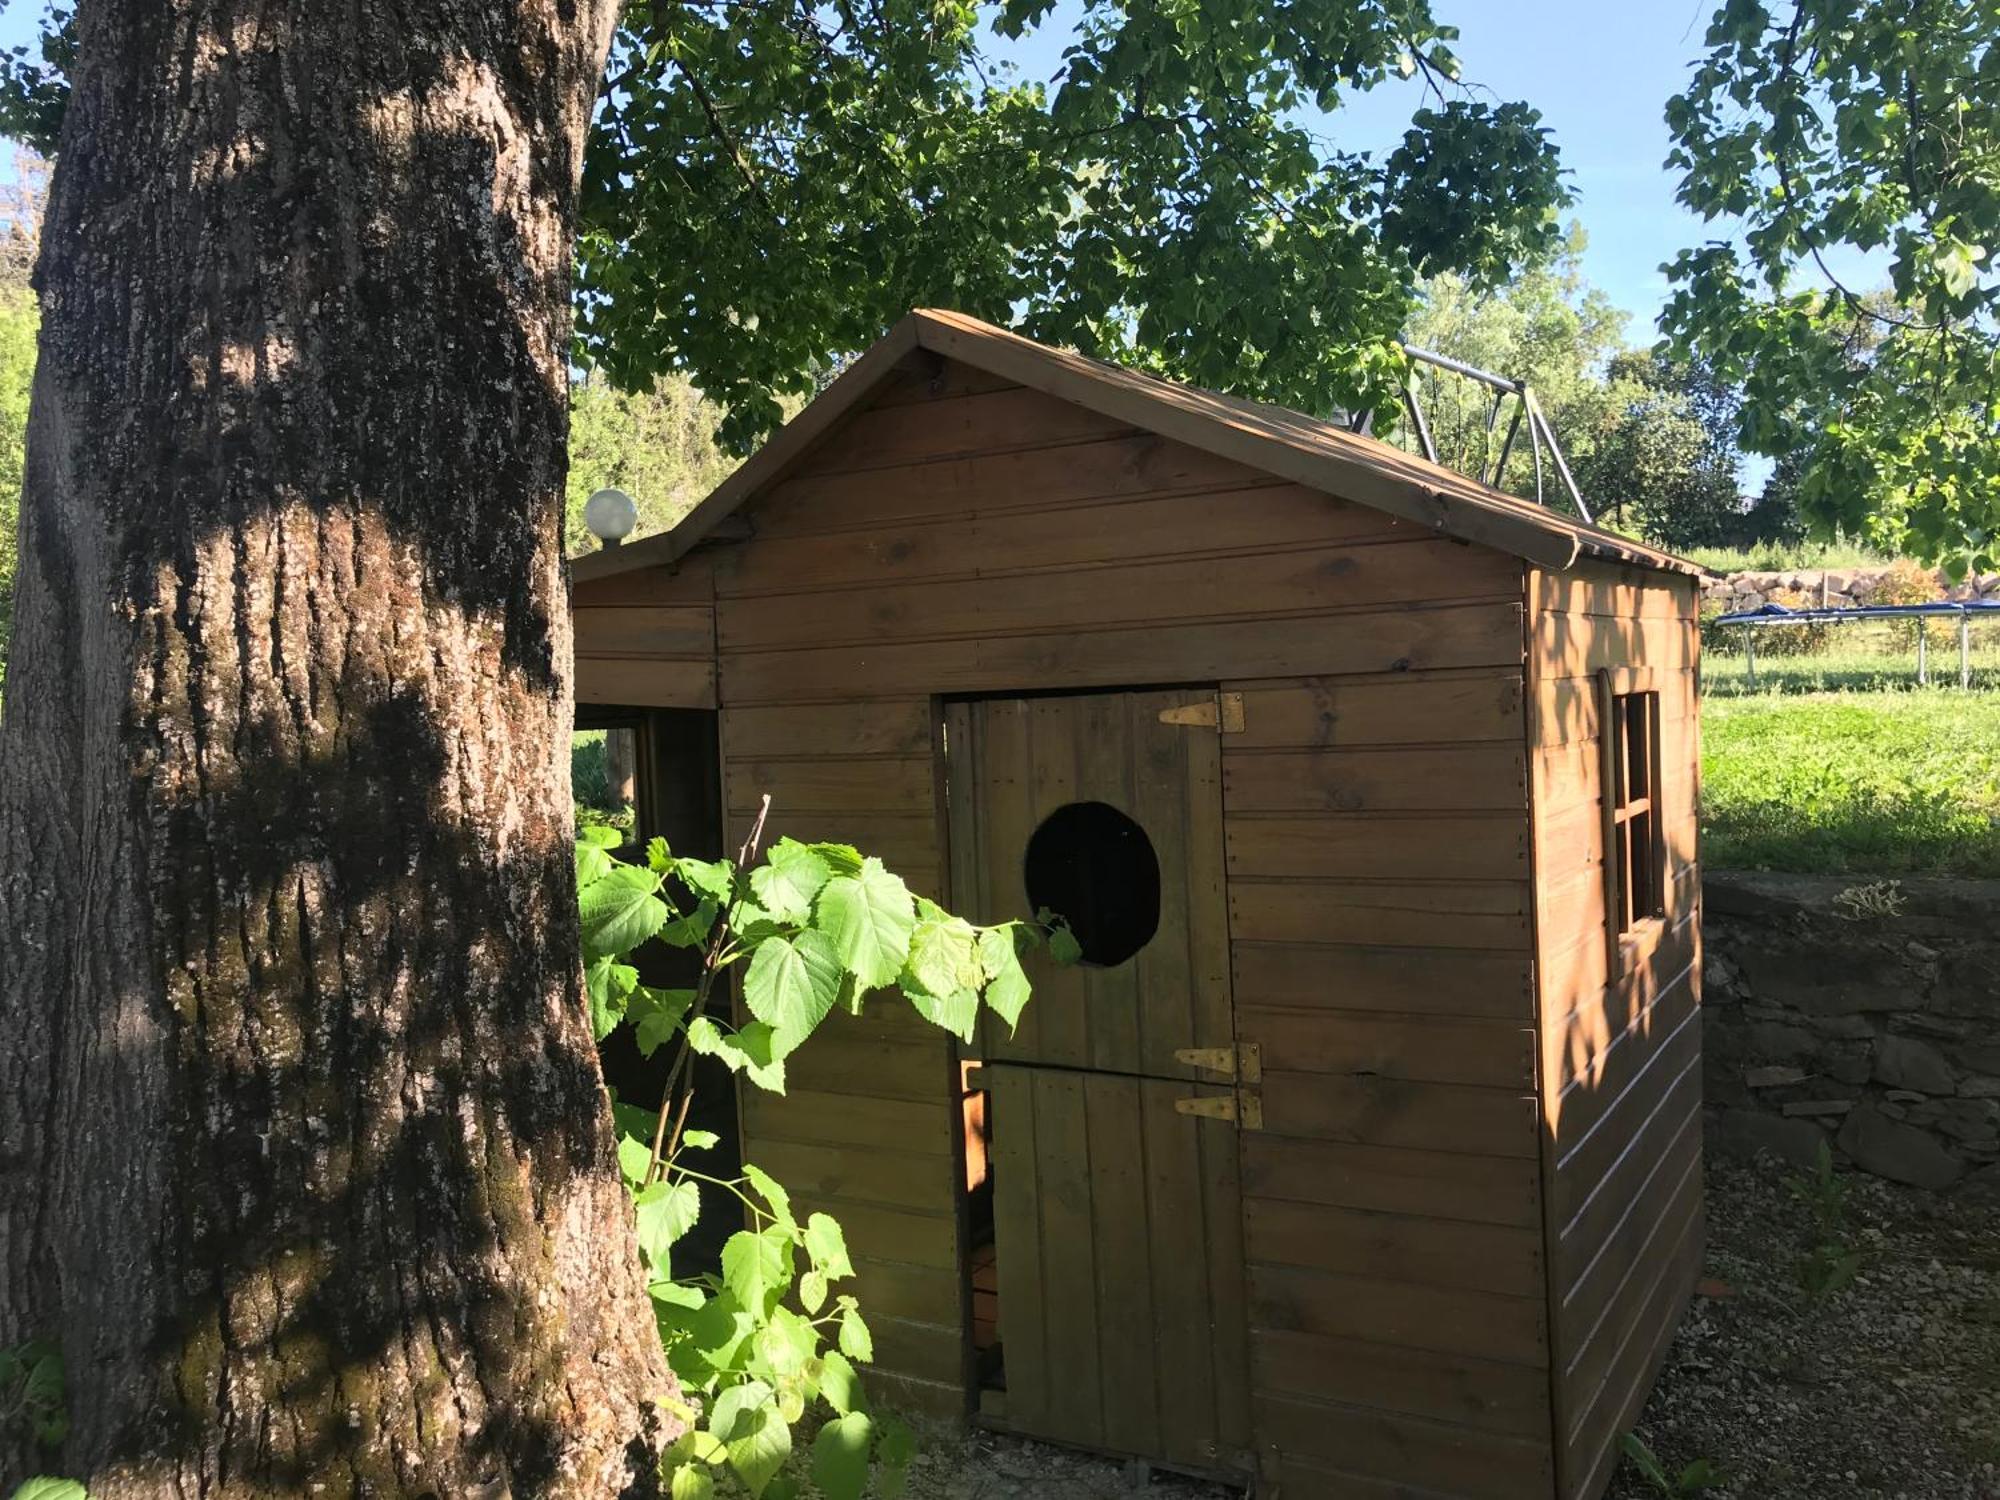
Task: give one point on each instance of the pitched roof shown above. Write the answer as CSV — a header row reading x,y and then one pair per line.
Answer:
x,y
1318,454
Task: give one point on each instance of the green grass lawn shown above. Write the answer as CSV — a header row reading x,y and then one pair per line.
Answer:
x,y
1884,782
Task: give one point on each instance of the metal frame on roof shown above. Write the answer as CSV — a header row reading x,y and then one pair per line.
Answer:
x,y
1525,406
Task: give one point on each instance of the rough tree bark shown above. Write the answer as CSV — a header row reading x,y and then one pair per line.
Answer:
x,y
304,1155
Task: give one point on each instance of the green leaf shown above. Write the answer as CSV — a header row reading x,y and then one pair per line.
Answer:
x,y
745,1418
789,879
717,1334
599,836
711,879
698,1140
826,1246
691,929
592,862
1063,946
813,1290
46,1487
944,954
839,1386
757,1268
1007,986
691,1483
620,911
746,1051
870,916
768,1188
957,1013
786,1343
855,1340
792,984
667,1210
678,1294
634,1157
609,985
656,1016
842,859
841,1454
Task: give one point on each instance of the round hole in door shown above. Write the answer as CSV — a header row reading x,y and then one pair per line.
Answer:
x,y
1093,866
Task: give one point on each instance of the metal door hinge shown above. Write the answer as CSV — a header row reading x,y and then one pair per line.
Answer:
x,y
1209,1059
1223,713
1244,1063
1220,1107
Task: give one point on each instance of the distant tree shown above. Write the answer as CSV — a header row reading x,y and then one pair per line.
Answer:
x,y
1661,461
657,445
21,203
1818,127
1545,325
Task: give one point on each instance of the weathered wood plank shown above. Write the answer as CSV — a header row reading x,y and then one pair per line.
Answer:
x,y
1398,1112
680,630
1429,981
1443,1320
1051,479
893,726
1598,588
1404,708
1482,1394
1417,1456
690,581
642,682
1125,1238
842,1174
922,1126
985,422
1437,914
1434,1049
1397,1247
1576,645
1443,1185
1361,641
1192,585
1365,846
822,785
1429,779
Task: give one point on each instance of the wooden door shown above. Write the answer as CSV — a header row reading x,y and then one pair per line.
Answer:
x,y
1013,762
1116,1212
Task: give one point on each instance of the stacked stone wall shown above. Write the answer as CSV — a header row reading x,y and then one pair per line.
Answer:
x,y
1862,1014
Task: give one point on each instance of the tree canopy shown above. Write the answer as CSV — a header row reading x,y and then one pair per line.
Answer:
x,y
769,186
1820,134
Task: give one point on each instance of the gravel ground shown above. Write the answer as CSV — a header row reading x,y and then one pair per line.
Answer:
x,y
985,1466
1889,1386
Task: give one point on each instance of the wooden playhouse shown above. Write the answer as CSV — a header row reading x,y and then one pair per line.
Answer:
x,y
1363,1156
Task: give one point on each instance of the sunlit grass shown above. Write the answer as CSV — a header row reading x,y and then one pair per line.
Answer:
x,y
1885,782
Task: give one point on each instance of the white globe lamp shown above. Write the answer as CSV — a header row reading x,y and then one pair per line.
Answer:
x,y
611,516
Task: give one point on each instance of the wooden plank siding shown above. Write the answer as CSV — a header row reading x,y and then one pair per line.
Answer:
x,y
1619,1061
1472,1213
1380,911
981,540
646,639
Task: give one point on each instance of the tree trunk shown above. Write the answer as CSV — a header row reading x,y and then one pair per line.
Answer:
x,y
305,1159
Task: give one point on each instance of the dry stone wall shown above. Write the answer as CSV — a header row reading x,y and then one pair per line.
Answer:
x,y
1838,588
1865,1015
